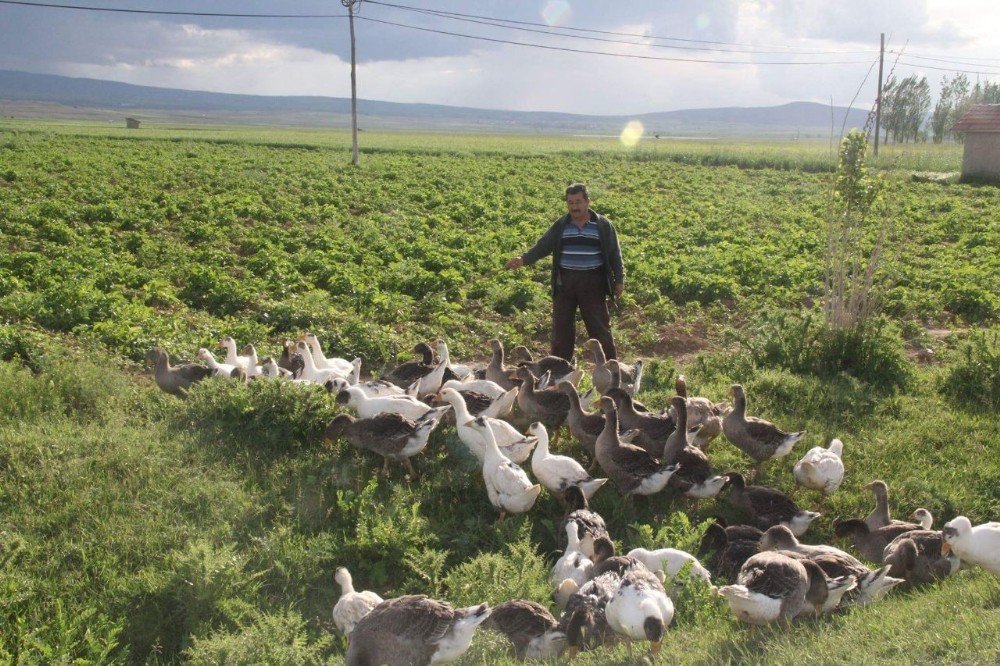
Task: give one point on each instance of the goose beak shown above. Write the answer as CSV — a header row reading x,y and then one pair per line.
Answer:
x,y
571,652
328,441
470,424
945,548
655,646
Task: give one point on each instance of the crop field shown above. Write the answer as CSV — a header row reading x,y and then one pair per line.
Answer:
x,y
139,528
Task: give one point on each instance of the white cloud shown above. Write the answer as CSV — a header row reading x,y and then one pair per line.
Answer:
x,y
518,78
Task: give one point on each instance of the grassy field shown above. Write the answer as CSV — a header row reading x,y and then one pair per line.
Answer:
x,y
140,528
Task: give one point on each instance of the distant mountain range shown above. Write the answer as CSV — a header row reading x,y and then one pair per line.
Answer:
x,y
26,94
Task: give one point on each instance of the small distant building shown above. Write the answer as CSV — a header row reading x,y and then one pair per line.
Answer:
x,y
981,158
131,123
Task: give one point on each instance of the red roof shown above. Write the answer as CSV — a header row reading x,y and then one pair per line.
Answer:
x,y
980,118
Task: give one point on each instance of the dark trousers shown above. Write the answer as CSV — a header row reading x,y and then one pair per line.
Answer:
x,y
586,290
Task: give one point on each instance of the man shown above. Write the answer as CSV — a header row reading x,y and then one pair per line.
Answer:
x,y
586,269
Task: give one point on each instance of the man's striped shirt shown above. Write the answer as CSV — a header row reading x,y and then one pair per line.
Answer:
x,y
581,247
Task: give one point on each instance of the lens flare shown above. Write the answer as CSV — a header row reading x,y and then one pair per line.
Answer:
x,y
632,133
556,12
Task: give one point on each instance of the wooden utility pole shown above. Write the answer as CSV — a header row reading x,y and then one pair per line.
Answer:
x,y
355,159
878,98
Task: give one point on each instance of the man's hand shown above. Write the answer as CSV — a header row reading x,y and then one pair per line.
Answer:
x,y
619,289
516,262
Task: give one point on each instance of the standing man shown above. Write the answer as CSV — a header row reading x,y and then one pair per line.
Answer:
x,y
586,270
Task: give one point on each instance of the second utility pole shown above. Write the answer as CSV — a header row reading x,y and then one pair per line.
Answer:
x,y
878,99
355,158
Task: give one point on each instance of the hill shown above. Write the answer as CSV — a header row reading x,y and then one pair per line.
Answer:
x,y
28,94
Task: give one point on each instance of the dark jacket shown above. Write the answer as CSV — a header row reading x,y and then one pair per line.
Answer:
x,y
551,243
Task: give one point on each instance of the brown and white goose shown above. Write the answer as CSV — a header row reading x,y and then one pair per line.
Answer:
x,y
868,542
601,376
549,407
176,379
531,629
700,410
695,477
654,429
589,524
632,469
496,371
725,549
585,426
560,368
773,586
392,436
880,515
918,557
414,631
768,506
759,439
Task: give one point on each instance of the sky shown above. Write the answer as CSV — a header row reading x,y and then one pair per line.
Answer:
x,y
294,56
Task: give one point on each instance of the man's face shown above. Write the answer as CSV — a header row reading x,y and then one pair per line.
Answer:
x,y
577,205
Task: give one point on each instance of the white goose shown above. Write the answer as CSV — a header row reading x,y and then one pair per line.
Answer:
x,y
512,444
821,469
670,561
253,367
492,390
404,405
460,371
351,606
340,365
557,473
507,486
373,388
979,545
640,609
310,371
233,358
503,402
573,566
218,369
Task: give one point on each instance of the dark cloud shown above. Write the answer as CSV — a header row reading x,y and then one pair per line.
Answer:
x,y
45,37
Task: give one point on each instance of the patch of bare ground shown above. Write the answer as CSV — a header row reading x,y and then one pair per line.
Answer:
x,y
681,343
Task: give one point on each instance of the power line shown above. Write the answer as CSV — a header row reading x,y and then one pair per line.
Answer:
x,y
164,12
603,32
505,23
920,65
956,60
605,53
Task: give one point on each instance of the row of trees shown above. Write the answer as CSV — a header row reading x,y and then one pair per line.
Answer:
x,y
906,106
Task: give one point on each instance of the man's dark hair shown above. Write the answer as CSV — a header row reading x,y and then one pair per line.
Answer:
x,y
578,188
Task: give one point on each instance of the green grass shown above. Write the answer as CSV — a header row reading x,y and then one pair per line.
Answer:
x,y
138,528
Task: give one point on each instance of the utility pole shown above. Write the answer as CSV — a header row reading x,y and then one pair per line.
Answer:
x,y
355,159
878,99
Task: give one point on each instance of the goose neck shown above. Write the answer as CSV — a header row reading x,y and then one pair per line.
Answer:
x,y
740,405
462,414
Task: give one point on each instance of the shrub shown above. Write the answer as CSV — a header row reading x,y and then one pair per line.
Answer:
x,y
273,638
205,587
520,573
871,351
274,415
974,381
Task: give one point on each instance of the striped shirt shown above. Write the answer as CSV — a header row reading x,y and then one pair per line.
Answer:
x,y
581,247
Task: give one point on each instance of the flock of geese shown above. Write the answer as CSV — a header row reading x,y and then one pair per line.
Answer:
x,y
504,414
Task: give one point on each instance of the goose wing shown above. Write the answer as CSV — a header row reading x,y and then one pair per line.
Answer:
x,y
385,434
769,504
520,617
